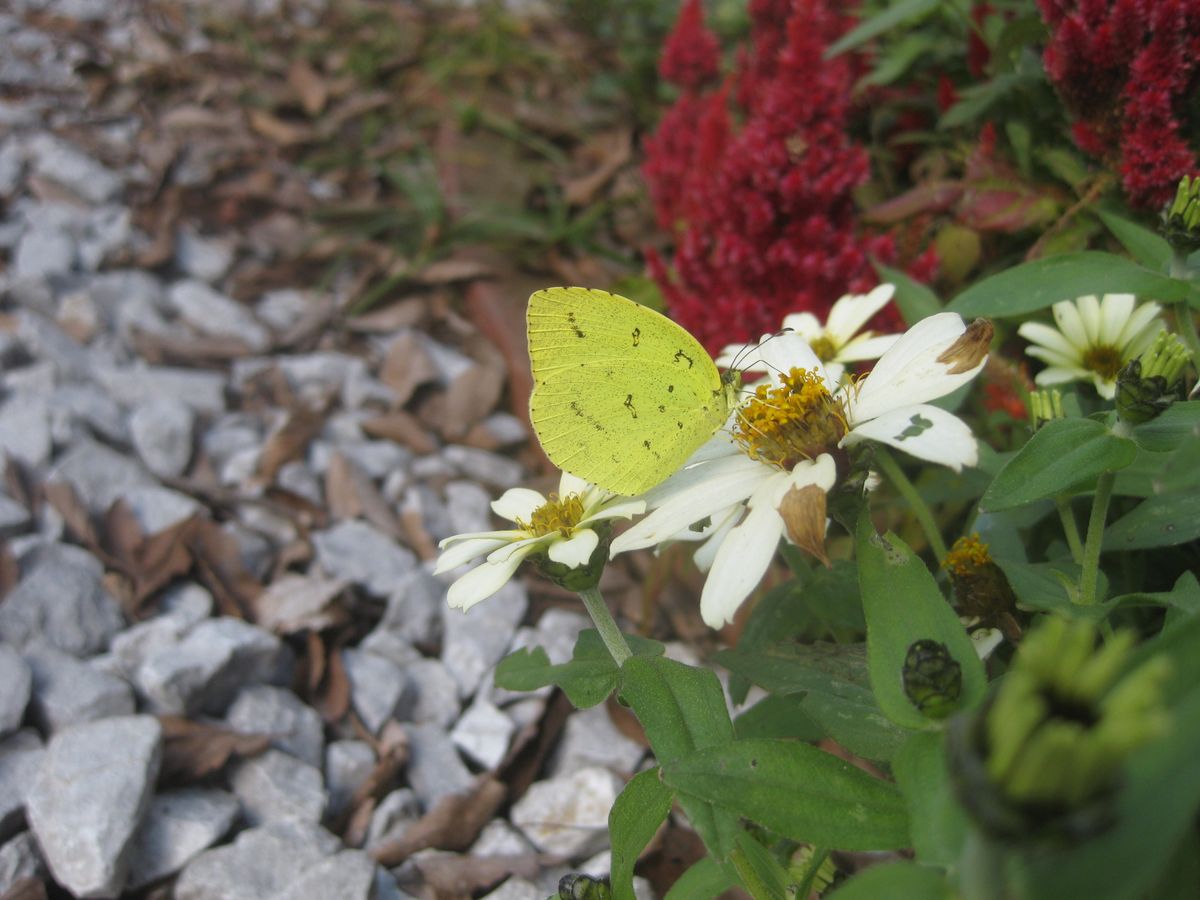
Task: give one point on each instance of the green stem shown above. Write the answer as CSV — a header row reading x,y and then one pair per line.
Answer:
x,y
983,876
603,620
908,491
1070,528
1095,532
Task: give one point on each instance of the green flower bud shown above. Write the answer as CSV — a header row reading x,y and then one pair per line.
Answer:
x,y
1045,406
932,678
584,887
1043,758
1181,218
1152,382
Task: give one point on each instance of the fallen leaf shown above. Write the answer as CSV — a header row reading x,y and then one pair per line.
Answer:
x,y
290,440
273,128
395,316
407,366
10,572
332,697
341,488
308,86
219,568
401,428
25,889
607,152
453,269
453,824
299,602
454,875
193,749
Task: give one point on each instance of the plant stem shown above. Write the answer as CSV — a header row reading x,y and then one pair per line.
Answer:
x,y
1070,528
603,620
1095,533
909,492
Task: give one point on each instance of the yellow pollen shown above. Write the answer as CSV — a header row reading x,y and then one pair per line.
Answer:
x,y
561,515
1103,360
968,555
824,348
796,420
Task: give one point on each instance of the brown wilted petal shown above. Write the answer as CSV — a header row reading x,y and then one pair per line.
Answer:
x,y
803,513
970,348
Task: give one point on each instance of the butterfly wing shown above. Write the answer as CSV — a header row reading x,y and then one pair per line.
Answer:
x,y
622,395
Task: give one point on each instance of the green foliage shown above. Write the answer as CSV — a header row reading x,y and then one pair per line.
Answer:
x,y
638,812
587,678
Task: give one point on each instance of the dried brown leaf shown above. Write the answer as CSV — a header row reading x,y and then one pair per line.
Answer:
x,y
78,521
273,128
193,749
332,699
394,317
605,153
290,441
407,366
471,396
401,428
454,875
299,602
10,572
219,568
193,350
341,488
453,824
309,86
460,268
25,889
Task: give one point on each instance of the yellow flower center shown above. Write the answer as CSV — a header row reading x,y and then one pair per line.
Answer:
x,y
556,514
824,348
796,420
1104,360
968,555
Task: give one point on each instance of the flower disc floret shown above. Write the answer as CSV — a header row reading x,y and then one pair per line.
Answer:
x,y
796,419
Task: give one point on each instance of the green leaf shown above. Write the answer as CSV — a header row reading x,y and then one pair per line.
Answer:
x,y
776,716
896,879
1162,521
1063,455
1179,423
703,881
897,59
1144,245
939,826
1183,596
1043,586
759,871
860,727
914,300
587,679
796,790
683,711
1043,282
640,808
895,14
903,605
977,99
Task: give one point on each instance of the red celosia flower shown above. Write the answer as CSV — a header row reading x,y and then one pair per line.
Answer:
x,y
761,209
1127,70
691,56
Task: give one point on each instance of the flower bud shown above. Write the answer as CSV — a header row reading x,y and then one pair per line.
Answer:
x,y
1181,218
577,578
932,678
584,887
1045,406
1149,384
981,589
1042,759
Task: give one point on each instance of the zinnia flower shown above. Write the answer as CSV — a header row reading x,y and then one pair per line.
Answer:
x,y
560,532
839,340
1093,341
768,478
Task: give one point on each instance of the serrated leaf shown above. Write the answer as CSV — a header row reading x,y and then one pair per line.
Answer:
x,y
903,605
587,678
1062,455
797,791
1044,282
640,808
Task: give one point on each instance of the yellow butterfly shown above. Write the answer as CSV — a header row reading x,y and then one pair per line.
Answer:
x,y
622,395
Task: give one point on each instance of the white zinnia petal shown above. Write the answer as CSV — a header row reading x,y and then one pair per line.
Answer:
x,y
1114,313
1061,375
572,484
481,582
1140,318
1141,341
1070,323
624,510
943,437
470,547
1089,312
714,536
910,373
785,352
1054,358
852,312
804,324
1105,388
576,550
864,347
518,504
1050,338
740,562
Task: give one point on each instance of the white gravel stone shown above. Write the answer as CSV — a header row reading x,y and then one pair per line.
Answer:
x,y
433,696
435,769
498,838
347,765
17,681
257,864
13,518
475,641
516,889
349,875
161,428
205,258
25,430
484,733
590,739
158,508
283,308
394,815
61,162
204,392
67,691
99,475
61,601
86,406
88,798
19,859
178,826
182,607
469,507
44,252
357,552
294,727
414,610
568,816
377,687
204,671
275,785
21,756
212,313
495,471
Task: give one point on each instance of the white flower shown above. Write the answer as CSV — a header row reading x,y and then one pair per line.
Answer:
x,y
1093,341
559,526
754,486
837,342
